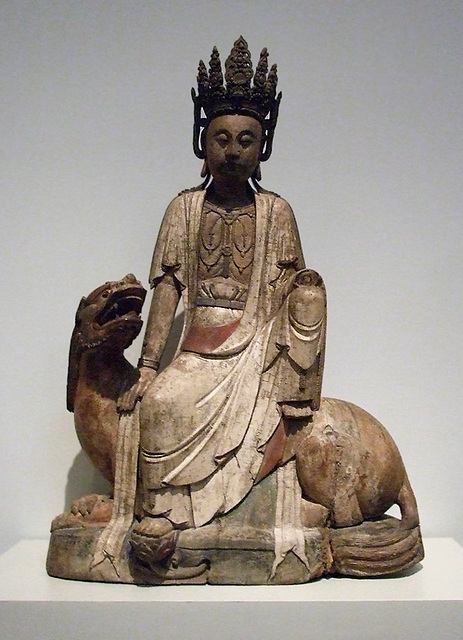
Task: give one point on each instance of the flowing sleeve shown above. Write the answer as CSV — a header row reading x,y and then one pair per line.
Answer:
x,y
169,252
285,255
289,250
297,337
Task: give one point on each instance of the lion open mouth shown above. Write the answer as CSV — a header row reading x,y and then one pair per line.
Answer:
x,y
123,304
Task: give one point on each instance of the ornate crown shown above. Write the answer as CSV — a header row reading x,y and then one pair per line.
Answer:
x,y
237,96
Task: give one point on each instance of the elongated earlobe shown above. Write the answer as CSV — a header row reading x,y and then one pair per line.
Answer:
x,y
204,170
257,175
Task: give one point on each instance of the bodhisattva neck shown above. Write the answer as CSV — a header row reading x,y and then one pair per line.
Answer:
x,y
230,202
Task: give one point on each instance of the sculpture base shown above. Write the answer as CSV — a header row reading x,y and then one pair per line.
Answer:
x,y
242,548
243,557
237,556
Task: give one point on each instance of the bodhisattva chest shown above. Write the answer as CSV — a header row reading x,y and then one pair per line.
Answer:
x,y
226,242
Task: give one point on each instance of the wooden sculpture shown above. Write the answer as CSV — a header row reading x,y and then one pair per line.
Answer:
x,y
228,467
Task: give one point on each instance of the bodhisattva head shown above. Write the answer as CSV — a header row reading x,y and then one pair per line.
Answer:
x,y
233,145
235,120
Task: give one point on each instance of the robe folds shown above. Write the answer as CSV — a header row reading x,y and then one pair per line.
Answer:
x,y
207,418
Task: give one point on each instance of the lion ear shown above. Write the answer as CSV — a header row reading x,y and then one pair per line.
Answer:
x,y
82,304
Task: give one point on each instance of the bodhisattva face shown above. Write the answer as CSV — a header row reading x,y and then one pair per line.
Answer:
x,y
233,146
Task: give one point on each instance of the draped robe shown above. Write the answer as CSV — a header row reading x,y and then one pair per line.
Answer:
x,y
207,418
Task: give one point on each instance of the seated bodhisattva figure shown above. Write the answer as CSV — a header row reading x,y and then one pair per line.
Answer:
x,y
253,340
242,467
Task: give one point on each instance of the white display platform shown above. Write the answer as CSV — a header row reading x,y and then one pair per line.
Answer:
x,y
426,603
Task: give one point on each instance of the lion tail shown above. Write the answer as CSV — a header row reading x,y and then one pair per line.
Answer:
x,y
376,548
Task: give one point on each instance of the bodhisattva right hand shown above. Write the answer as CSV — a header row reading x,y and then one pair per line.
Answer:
x,y
129,398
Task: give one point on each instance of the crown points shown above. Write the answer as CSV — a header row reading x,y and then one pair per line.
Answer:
x,y
237,94
202,73
238,66
261,70
270,84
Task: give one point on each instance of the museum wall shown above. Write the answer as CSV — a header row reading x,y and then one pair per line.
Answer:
x,y
96,140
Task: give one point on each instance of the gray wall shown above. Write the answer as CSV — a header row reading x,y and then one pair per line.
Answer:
x,y
96,139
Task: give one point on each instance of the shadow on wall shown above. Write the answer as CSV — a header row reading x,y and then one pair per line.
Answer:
x,y
83,478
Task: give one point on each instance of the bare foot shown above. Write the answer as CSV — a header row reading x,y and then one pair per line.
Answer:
x,y
153,527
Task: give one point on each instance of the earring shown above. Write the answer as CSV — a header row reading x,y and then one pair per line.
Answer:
x,y
204,170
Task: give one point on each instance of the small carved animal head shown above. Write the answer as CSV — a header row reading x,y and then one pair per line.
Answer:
x,y
111,313
108,318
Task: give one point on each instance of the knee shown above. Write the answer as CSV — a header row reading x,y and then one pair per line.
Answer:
x,y
307,301
306,305
154,400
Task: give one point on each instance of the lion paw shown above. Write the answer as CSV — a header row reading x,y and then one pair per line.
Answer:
x,y
88,510
93,506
